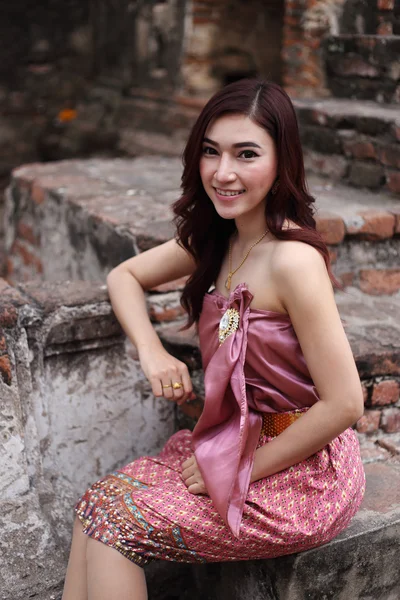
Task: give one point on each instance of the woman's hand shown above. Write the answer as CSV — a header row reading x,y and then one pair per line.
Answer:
x,y
163,371
192,477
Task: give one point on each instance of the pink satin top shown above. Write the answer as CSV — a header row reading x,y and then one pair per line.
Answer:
x,y
259,368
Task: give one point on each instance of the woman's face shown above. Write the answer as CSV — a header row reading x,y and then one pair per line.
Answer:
x,y
238,166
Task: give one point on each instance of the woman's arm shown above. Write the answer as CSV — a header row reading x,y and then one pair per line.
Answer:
x,y
305,290
126,285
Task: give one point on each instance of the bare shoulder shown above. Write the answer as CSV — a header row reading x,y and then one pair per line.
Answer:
x,y
295,258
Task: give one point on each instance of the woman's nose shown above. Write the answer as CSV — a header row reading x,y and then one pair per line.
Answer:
x,y
225,171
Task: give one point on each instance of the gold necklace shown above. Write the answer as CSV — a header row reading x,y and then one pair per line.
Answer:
x,y
231,273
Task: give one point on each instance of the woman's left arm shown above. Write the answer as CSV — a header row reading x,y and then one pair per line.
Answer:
x,y
305,290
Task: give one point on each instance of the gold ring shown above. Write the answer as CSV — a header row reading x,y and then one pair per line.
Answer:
x,y
177,385
167,385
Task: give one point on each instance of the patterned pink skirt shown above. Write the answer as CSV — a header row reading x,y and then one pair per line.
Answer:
x,y
145,511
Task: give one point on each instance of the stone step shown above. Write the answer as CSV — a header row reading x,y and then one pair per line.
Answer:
x,y
353,141
78,219
348,567
365,67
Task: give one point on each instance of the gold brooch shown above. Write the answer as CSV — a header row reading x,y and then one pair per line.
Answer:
x,y
228,324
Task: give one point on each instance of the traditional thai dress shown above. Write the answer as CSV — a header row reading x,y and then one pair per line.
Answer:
x,y
256,384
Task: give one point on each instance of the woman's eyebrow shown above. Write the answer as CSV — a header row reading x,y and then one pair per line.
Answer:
x,y
238,145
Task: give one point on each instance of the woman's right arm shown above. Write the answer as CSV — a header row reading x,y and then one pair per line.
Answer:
x,y
126,286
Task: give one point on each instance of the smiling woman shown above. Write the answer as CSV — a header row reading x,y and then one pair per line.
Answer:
x,y
273,466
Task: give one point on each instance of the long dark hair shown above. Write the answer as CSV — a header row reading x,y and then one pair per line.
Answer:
x,y
200,230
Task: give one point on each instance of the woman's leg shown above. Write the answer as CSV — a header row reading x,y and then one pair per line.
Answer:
x,y
111,576
75,586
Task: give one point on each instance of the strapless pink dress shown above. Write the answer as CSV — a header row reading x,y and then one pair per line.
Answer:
x,y
144,509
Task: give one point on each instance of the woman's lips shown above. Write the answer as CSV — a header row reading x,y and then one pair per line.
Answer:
x,y
228,196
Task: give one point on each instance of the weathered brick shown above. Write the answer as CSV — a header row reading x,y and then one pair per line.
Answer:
x,y
393,181
371,225
369,422
164,307
385,4
347,278
26,232
3,344
380,281
385,28
363,174
396,213
333,255
331,227
359,149
37,193
385,392
5,369
391,420
365,391
390,155
28,258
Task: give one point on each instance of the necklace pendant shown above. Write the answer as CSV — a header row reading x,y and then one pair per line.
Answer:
x,y
228,282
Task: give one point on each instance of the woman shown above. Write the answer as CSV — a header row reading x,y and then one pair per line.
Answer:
x,y
273,466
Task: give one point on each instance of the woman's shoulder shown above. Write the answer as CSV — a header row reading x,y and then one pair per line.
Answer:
x,y
293,258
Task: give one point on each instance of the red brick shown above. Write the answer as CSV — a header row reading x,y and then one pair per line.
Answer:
x,y
396,213
3,345
391,420
37,193
385,392
369,422
365,392
26,232
393,181
347,279
385,4
374,225
380,281
332,255
395,129
331,227
359,149
385,28
390,155
29,259
5,369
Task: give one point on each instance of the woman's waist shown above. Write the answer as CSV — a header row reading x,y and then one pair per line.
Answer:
x,y
274,423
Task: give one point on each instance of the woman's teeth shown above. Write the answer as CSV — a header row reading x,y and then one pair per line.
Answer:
x,y
229,193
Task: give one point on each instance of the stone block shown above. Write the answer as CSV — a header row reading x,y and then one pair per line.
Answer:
x,y
391,420
385,392
363,174
369,422
380,281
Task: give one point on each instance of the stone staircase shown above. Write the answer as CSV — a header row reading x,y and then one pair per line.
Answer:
x,y
75,220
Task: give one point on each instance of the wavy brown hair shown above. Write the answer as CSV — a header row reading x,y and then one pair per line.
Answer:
x,y
200,230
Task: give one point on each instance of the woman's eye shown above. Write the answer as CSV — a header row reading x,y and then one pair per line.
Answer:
x,y
248,154
209,150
